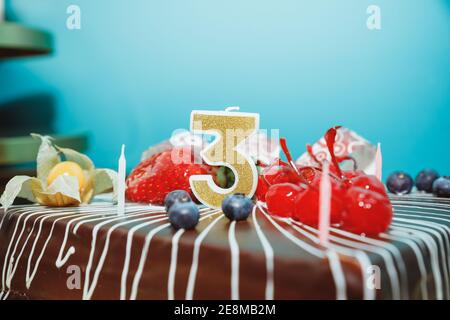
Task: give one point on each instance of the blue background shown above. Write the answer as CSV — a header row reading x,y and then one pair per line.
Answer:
x,y
137,68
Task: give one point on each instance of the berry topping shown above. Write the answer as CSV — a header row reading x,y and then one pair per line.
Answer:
x,y
177,196
399,183
184,215
441,187
306,209
262,189
366,212
162,173
369,183
281,199
237,207
68,168
424,180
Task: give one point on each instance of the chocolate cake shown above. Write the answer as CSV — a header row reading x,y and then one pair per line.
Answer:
x,y
89,252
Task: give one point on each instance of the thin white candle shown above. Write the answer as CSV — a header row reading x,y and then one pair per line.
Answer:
x,y
121,183
378,163
324,204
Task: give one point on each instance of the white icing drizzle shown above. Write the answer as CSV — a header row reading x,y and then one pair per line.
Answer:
x,y
419,256
416,225
335,265
31,274
234,248
8,265
430,243
268,252
338,275
173,265
173,258
441,235
442,207
194,267
88,289
387,251
10,270
138,275
307,247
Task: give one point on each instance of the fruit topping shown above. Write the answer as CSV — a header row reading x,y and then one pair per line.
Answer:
x,y
281,198
441,187
369,183
366,211
359,202
162,173
184,215
67,168
237,207
306,208
399,183
424,180
177,196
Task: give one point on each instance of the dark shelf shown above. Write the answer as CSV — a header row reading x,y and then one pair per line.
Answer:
x,y
19,41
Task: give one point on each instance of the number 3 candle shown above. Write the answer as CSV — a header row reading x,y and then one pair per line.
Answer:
x,y
230,129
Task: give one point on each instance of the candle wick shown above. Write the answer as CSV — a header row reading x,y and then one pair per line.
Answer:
x,y
232,108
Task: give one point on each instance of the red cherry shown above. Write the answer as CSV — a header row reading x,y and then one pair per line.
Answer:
x,y
261,189
281,197
366,212
352,174
369,183
309,174
280,174
307,205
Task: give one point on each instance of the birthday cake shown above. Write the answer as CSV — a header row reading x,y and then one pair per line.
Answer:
x,y
139,256
200,226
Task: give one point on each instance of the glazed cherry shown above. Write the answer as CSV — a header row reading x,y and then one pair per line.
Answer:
x,y
281,197
280,174
366,212
309,174
307,206
261,189
369,183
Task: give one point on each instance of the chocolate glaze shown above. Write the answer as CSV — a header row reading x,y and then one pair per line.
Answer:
x,y
412,257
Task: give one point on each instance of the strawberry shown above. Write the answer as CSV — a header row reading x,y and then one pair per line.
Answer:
x,y
162,173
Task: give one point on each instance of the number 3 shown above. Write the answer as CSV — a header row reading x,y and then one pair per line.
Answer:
x,y
230,130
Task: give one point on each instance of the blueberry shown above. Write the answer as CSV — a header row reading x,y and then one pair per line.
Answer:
x,y
177,196
441,187
399,183
237,207
425,179
184,215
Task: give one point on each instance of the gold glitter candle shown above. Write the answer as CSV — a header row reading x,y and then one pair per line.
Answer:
x,y
231,129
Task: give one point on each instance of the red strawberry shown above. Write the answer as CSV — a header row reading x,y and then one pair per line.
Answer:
x,y
162,173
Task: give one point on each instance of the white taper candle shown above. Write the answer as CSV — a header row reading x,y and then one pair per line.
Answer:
x,y
379,163
121,183
324,204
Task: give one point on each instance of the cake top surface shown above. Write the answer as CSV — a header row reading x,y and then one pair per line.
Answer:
x,y
413,253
